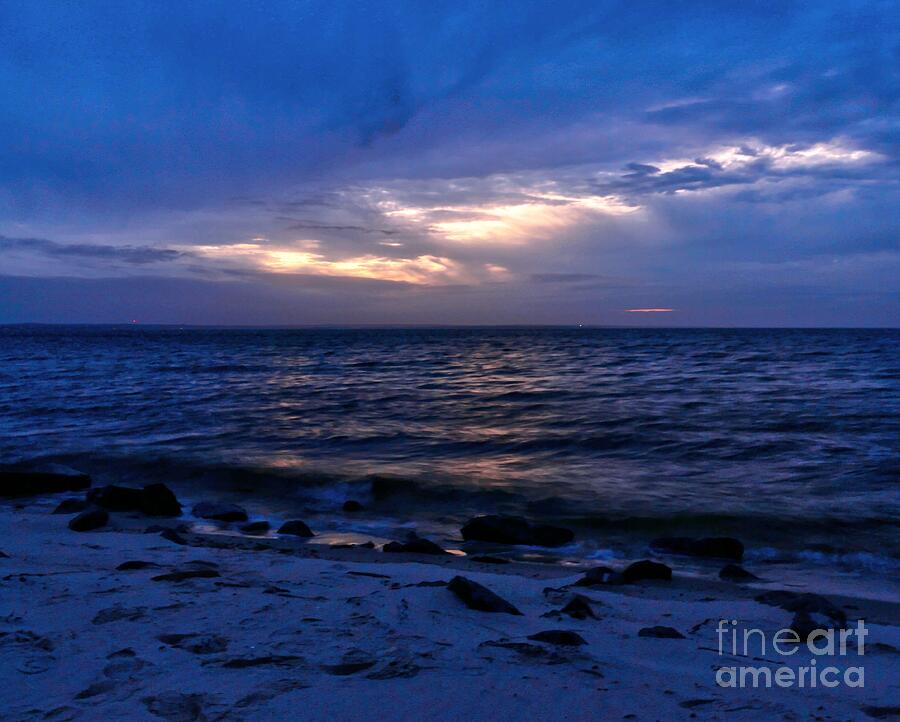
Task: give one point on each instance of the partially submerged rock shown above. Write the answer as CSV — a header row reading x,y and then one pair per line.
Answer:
x,y
480,598
173,536
15,483
660,632
181,575
89,520
295,527
579,607
515,530
709,547
352,505
219,512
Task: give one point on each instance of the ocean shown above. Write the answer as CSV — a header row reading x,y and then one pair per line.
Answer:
x,y
785,438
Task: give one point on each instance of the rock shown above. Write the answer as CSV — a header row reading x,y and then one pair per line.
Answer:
x,y
15,483
804,602
177,707
295,528
661,633
173,536
710,547
278,660
181,575
351,505
256,527
136,564
515,530
414,544
887,712
559,637
345,668
480,598
735,572
579,607
116,498
4,555
159,500
71,506
89,520
646,569
196,643
599,576
219,512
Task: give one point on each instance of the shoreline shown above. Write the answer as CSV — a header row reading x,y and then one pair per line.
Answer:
x,y
264,628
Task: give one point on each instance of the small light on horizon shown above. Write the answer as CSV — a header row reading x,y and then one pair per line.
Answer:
x,y
650,310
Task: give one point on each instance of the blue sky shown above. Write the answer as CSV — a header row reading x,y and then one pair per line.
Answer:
x,y
461,162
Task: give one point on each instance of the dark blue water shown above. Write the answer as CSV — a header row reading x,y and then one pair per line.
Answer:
x,y
787,437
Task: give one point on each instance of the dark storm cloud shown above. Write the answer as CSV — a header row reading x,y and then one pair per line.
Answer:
x,y
138,255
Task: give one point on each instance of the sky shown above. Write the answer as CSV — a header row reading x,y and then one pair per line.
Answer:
x,y
344,163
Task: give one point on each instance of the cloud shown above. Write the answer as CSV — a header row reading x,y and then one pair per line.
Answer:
x,y
132,255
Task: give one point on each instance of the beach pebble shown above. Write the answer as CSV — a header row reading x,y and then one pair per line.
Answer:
x,y
295,527
646,569
219,512
559,637
256,527
735,572
159,500
660,633
710,547
479,598
71,506
52,481
515,530
88,520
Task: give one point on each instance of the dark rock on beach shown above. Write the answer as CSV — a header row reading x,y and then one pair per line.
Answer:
x,y
219,512
579,607
646,569
559,637
136,564
480,598
414,544
256,527
804,603
14,483
660,633
116,498
71,506
351,505
181,575
709,547
173,536
159,500
295,528
735,572
599,576
89,520
515,530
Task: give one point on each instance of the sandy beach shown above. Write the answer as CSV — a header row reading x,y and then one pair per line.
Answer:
x,y
232,627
